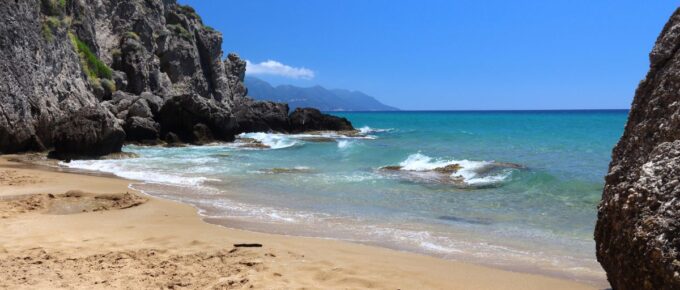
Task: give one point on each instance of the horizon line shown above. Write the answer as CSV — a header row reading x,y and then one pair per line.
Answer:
x,y
472,110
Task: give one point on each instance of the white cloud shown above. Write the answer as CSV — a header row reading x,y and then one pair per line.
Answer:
x,y
272,67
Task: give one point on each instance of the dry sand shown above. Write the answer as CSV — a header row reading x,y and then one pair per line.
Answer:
x,y
104,235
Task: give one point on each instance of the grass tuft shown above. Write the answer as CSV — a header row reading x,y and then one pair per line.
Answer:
x,y
53,7
131,34
180,30
92,66
189,11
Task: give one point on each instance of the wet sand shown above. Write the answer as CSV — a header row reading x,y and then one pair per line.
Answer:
x,y
70,230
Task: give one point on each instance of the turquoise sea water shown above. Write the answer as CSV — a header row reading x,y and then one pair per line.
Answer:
x,y
536,214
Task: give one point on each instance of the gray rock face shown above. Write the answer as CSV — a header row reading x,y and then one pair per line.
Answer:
x,y
259,116
142,130
130,58
638,228
40,77
153,46
89,132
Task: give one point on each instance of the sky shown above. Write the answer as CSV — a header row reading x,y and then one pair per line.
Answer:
x,y
449,55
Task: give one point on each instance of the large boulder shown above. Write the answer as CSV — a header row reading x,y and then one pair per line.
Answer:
x,y
142,130
638,228
309,119
261,116
137,114
89,132
182,113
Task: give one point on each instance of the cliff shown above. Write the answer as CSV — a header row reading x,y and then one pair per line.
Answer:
x,y
638,228
83,76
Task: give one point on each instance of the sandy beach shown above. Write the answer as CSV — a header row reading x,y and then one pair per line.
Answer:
x,y
69,230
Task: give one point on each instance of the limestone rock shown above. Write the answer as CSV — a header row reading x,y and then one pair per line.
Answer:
x,y
182,113
309,119
89,132
638,228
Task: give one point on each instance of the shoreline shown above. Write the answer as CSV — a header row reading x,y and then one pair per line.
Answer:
x,y
286,261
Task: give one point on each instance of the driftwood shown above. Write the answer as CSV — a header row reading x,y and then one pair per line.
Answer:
x,y
248,245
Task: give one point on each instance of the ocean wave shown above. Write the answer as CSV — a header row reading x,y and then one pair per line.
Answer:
x,y
141,174
271,140
368,130
344,144
466,172
280,141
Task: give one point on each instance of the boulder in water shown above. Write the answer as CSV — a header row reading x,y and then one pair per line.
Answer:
x,y
308,119
448,169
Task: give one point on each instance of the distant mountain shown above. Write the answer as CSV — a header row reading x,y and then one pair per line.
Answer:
x,y
316,97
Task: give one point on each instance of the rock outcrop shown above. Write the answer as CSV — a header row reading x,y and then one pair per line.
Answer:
x,y
261,116
131,58
89,132
196,119
309,119
638,227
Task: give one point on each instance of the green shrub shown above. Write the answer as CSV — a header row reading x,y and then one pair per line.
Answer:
x,y
49,26
131,34
52,7
209,28
92,66
189,12
116,53
53,22
108,85
180,30
47,32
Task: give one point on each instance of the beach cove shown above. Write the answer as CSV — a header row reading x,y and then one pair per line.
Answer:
x,y
161,243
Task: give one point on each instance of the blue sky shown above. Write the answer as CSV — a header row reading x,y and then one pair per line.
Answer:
x,y
449,55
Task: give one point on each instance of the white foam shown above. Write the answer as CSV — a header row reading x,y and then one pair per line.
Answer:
x,y
344,144
368,130
469,169
273,140
279,141
438,248
116,168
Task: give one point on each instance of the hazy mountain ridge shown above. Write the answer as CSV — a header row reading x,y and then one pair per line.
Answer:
x,y
316,96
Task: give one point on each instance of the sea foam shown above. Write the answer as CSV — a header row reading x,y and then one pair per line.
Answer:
x,y
119,169
469,170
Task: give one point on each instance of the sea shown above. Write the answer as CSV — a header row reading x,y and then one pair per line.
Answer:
x,y
511,189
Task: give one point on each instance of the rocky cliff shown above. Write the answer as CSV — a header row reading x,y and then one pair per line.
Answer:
x,y
638,228
77,75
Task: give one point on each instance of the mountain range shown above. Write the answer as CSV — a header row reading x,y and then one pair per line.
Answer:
x,y
316,96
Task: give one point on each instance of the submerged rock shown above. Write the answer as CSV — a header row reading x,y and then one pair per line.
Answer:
x,y
286,170
391,167
89,132
318,139
448,169
251,143
638,227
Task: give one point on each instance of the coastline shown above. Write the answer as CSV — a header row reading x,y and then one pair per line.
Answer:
x,y
176,230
